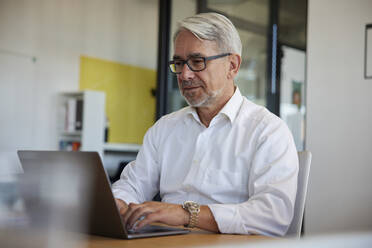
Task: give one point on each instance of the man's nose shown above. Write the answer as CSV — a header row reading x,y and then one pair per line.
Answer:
x,y
186,73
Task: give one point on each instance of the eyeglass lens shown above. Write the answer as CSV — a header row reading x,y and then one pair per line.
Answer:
x,y
194,63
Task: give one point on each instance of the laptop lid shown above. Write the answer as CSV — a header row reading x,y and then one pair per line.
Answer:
x,y
83,175
101,214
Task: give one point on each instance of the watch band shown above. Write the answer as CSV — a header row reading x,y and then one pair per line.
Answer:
x,y
193,208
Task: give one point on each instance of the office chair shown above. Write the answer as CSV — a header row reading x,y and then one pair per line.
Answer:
x,y
303,177
119,170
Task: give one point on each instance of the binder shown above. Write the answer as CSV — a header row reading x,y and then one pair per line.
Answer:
x,y
71,115
79,115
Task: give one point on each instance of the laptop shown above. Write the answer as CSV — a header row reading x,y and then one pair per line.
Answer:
x,y
82,174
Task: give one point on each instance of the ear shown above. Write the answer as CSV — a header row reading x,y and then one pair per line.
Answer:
x,y
235,62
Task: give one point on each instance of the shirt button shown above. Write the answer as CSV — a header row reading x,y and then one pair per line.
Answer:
x,y
195,161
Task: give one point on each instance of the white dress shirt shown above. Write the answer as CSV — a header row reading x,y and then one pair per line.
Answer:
x,y
244,166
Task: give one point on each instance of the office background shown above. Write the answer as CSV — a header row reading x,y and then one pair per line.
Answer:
x,y
42,43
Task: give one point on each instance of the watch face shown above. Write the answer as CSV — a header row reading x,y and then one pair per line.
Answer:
x,y
192,206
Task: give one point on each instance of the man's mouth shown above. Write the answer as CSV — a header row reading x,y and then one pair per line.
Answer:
x,y
190,87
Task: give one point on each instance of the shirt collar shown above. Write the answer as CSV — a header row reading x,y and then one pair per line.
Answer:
x,y
191,113
230,109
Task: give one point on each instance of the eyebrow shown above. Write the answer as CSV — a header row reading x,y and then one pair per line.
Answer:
x,y
177,57
195,55
189,56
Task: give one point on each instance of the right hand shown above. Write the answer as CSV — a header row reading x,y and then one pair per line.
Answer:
x,y
122,206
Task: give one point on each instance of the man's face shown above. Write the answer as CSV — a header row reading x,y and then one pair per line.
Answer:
x,y
204,88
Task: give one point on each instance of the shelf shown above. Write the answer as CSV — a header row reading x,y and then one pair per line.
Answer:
x,y
75,94
121,147
81,118
74,133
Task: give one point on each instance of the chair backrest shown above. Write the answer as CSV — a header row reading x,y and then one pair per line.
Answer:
x,y
303,177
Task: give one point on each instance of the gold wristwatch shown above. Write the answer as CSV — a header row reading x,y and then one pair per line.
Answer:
x,y
193,208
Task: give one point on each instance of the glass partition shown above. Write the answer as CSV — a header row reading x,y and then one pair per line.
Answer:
x,y
251,20
179,11
251,78
292,93
254,11
292,41
292,23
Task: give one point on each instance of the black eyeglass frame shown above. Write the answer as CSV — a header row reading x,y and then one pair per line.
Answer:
x,y
205,59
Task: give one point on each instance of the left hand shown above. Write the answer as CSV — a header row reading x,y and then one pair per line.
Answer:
x,y
167,213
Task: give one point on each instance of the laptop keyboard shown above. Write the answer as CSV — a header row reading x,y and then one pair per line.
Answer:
x,y
149,229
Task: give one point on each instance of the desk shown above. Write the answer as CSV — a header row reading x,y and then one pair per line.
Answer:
x,y
43,239
195,238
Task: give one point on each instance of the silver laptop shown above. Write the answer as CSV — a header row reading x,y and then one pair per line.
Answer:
x,y
82,174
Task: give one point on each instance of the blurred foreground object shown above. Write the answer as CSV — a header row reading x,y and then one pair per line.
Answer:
x,y
44,205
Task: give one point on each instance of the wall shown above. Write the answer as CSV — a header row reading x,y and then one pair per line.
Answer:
x,y
130,106
339,118
56,33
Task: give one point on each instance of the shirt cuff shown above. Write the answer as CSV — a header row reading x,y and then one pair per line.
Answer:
x,y
223,215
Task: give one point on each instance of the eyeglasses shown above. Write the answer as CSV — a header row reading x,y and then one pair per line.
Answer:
x,y
195,64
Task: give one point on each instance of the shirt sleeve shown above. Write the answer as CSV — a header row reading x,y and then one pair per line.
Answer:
x,y
139,181
272,188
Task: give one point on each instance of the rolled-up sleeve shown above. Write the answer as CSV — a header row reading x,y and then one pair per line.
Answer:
x,y
272,188
139,180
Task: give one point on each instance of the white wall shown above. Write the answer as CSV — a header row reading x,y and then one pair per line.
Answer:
x,y
339,120
57,32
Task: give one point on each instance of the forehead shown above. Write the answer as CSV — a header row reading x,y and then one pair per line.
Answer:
x,y
186,44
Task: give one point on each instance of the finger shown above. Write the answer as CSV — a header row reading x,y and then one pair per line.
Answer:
x,y
138,213
149,219
134,215
131,208
122,207
122,211
120,203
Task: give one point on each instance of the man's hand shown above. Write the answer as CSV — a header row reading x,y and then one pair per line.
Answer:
x,y
122,206
167,213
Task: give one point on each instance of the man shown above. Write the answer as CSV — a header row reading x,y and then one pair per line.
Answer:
x,y
222,164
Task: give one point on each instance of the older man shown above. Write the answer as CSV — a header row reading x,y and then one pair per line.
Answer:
x,y
223,163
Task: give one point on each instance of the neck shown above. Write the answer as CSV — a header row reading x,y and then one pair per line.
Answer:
x,y
207,113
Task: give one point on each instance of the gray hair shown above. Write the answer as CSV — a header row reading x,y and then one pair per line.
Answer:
x,y
213,27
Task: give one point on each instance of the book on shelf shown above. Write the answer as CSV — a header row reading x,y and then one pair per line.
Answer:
x,y
70,115
79,115
69,145
73,115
